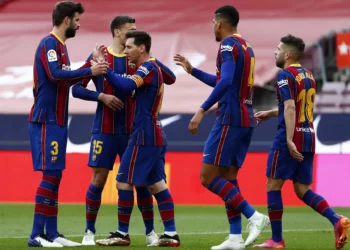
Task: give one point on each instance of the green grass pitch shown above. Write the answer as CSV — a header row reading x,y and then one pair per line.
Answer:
x,y
199,227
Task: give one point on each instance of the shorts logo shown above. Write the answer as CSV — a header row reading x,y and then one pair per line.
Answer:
x,y
94,158
53,159
51,55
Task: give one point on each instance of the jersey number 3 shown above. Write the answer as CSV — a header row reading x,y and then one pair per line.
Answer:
x,y
306,99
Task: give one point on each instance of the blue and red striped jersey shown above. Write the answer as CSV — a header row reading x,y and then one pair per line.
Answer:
x,y
235,107
52,79
106,120
298,84
147,127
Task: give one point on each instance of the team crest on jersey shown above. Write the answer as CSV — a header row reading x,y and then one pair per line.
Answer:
x,y
131,65
66,67
51,55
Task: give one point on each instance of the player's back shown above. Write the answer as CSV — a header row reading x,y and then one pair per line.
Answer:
x,y
147,128
106,120
50,95
298,83
235,107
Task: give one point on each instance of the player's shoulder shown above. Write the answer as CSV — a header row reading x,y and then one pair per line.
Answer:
x,y
285,73
283,77
49,39
146,68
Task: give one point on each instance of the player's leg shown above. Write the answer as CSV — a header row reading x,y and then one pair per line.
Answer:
x,y
46,190
145,205
48,154
234,216
156,182
101,159
132,170
56,144
257,221
144,197
302,187
280,167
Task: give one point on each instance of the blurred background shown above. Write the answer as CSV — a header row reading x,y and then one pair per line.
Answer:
x,y
182,27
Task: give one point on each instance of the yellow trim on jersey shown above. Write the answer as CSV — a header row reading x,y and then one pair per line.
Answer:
x,y
115,54
138,80
295,65
236,34
59,39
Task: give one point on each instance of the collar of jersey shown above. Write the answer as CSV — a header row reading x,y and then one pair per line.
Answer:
x,y
114,54
295,65
59,39
236,34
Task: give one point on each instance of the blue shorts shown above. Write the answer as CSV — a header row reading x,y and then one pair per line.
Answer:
x,y
142,165
48,143
281,165
227,145
104,149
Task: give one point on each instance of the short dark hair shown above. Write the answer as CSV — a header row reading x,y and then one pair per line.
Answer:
x,y
141,37
229,13
118,21
65,9
296,43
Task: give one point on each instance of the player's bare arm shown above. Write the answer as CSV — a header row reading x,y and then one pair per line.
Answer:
x,y
289,116
195,121
204,77
183,62
265,115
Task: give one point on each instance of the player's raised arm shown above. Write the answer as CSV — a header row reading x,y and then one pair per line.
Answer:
x,y
168,76
141,77
49,58
228,48
204,77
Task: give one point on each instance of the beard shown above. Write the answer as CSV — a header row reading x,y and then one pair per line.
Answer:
x,y
70,32
280,64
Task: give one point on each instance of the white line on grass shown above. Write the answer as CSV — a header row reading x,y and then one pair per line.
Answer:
x,y
184,233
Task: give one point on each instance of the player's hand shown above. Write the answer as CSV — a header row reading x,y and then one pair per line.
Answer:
x,y
262,116
195,121
99,53
111,101
98,68
183,62
294,152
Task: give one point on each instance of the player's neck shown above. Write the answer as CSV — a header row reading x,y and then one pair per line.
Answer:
x,y
116,47
288,63
142,59
229,33
60,33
